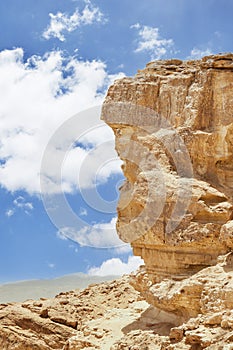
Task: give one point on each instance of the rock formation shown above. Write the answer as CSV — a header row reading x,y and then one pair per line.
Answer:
x,y
174,131
173,124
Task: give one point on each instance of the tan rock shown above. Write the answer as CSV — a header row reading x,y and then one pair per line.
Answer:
x,y
88,319
174,131
226,234
173,125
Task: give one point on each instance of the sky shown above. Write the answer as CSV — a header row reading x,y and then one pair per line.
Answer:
x,y
59,173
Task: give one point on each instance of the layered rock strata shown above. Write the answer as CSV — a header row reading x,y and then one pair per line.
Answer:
x,y
173,124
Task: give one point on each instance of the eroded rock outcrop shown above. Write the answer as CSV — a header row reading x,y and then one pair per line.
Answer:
x,y
113,316
173,124
89,319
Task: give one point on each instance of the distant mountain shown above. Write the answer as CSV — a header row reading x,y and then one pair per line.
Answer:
x,y
35,289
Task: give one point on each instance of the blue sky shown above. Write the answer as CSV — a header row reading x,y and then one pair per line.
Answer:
x,y
57,59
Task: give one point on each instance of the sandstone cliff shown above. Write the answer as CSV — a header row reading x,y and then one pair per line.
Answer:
x,y
173,124
174,131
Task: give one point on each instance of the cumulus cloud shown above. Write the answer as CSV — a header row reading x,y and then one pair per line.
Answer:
x,y
150,41
37,96
116,266
62,22
197,53
92,166
99,235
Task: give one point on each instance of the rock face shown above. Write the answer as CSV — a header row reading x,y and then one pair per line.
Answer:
x,y
173,124
174,131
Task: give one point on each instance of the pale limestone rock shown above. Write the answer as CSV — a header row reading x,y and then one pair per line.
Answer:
x,y
173,124
226,234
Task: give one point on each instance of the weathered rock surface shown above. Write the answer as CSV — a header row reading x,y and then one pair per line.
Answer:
x,y
174,131
173,124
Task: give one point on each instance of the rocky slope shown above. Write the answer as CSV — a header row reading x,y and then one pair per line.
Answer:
x,y
114,316
95,318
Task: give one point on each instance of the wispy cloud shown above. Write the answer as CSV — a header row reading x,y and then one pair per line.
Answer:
x,y
116,266
83,212
62,22
197,53
19,203
100,235
149,40
212,46
9,213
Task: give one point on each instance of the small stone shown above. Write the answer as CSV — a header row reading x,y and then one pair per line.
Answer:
x,y
176,334
215,319
44,313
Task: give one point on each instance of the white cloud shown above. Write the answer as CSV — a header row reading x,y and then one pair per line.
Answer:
x,y
37,96
150,41
124,249
100,235
62,22
85,168
20,202
61,235
197,53
9,213
116,266
73,247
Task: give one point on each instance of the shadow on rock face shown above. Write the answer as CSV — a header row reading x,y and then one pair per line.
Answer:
x,y
158,321
229,263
